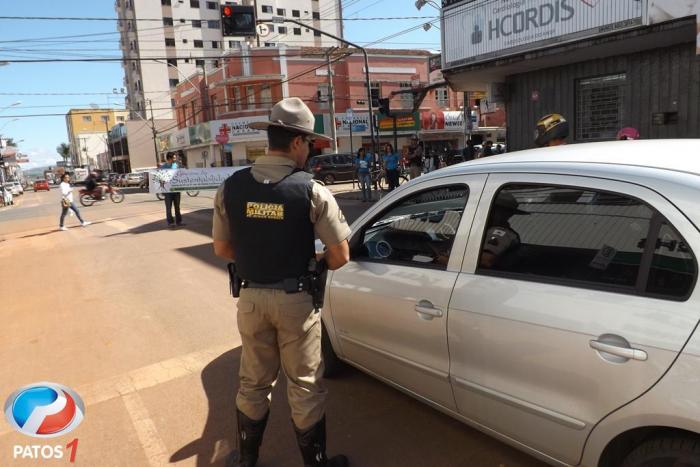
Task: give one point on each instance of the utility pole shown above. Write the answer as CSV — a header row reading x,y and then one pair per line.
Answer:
x,y
331,101
155,133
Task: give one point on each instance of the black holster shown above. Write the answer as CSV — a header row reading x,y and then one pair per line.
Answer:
x,y
235,280
317,282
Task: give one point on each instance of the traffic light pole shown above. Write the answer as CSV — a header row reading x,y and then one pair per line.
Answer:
x,y
281,19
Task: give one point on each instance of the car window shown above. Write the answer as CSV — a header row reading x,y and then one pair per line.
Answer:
x,y
583,237
418,230
337,159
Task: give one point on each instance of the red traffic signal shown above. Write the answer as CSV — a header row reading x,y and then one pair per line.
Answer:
x,y
227,11
238,20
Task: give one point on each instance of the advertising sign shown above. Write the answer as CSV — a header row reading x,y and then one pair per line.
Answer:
x,y
177,180
237,129
360,123
404,123
666,10
484,30
452,120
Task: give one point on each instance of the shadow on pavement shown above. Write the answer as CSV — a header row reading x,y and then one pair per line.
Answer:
x,y
372,423
198,221
205,253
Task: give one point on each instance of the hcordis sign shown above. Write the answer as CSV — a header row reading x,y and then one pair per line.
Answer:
x,y
486,29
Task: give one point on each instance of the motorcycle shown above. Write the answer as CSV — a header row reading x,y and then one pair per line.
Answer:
x,y
191,194
90,197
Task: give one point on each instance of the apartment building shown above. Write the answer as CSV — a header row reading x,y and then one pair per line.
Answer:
x,y
87,133
165,42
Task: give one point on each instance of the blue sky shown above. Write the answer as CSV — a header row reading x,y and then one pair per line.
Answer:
x,y
41,135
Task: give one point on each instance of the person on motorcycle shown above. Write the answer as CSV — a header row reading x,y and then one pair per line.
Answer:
x,y
91,185
551,130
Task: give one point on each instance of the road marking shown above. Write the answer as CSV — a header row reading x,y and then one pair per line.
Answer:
x,y
151,442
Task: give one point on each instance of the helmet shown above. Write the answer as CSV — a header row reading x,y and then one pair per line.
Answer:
x,y
628,133
550,127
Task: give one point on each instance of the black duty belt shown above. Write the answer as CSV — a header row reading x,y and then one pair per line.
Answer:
x,y
292,285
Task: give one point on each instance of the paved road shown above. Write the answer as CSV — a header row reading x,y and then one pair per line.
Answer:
x,y
137,319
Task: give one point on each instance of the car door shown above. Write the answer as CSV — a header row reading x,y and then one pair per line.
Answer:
x,y
389,303
574,305
343,166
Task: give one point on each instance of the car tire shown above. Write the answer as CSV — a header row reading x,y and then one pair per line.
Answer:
x,y
665,452
332,365
328,179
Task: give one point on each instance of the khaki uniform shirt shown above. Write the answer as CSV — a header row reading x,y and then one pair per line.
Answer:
x,y
329,223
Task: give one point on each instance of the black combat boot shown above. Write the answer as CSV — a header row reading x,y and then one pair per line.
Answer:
x,y
312,443
250,435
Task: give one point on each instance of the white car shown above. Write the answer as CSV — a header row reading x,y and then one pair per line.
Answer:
x,y
14,189
548,298
19,186
7,198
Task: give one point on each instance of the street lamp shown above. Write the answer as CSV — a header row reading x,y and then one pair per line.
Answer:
x,y
282,19
421,3
7,123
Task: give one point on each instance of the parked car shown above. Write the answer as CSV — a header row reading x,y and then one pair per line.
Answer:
x,y
6,196
548,298
119,181
133,179
41,185
331,168
13,188
111,178
18,185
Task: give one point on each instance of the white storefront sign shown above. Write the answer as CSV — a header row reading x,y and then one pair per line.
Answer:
x,y
178,180
485,30
237,128
360,121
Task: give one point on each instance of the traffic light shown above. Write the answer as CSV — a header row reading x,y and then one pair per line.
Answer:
x,y
238,20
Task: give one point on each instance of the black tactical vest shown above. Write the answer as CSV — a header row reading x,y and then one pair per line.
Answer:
x,y
271,232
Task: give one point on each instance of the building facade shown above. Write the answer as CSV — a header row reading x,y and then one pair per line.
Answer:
x,y
157,55
133,147
213,111
87,134
602,65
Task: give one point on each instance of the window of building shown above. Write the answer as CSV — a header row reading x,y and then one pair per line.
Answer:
x,y
307,29
167,21
174,82
322,95
138,85
120,118
297,31
133,66
296,14
250,96
272,27
165,2
282,29
237,103
214,44
187,60
196,23
172,61
183,20
375,92
270,44
442,97
317,34
234,44
212,5
214,105
315,15
87,118
266,97
585,238
194,3
184,41
199,63
198,43
281,12
214,24
169,42
266,9
418,230
600,107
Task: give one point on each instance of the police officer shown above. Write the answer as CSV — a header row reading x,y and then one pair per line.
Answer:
x,y
265,218
551,130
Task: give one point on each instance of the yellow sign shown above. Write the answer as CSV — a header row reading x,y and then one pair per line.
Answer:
x,y
269,211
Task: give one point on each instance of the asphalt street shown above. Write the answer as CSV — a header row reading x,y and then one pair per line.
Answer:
x,y
136,318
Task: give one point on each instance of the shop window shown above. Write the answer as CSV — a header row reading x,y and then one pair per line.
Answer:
x,y
600,107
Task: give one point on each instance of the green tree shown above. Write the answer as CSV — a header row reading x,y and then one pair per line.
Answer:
x,y
63,150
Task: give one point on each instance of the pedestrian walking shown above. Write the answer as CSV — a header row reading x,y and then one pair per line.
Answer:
x,y
415,159
363,163
172,199
265,219
68,204
391,165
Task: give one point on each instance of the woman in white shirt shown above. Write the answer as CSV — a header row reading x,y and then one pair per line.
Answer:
x,y
67,202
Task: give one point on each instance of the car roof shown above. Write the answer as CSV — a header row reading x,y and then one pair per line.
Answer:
x,y
679,155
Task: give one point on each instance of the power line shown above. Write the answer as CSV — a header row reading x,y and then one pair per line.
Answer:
x,y
105,18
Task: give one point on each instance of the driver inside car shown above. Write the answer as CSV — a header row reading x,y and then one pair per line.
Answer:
x,y
501,239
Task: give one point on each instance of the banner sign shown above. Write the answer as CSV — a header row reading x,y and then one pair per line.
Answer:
x,y
452,120
485,30
403,123
667,10
237,128
178,180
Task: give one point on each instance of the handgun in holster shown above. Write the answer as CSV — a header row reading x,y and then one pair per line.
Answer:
x,y
318,270
235,281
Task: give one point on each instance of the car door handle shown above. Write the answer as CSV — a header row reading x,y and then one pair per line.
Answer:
x,y
624,352
427,311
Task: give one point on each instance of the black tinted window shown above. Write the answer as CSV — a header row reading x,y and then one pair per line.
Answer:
x,y
580,236
418,230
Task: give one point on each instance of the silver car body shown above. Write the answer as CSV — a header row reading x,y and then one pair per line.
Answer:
x,y
515,358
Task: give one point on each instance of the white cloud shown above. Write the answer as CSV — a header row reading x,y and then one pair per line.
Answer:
x,y
40,157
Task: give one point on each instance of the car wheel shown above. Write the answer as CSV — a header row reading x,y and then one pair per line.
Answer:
x,y
671,451
328,179
331,363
